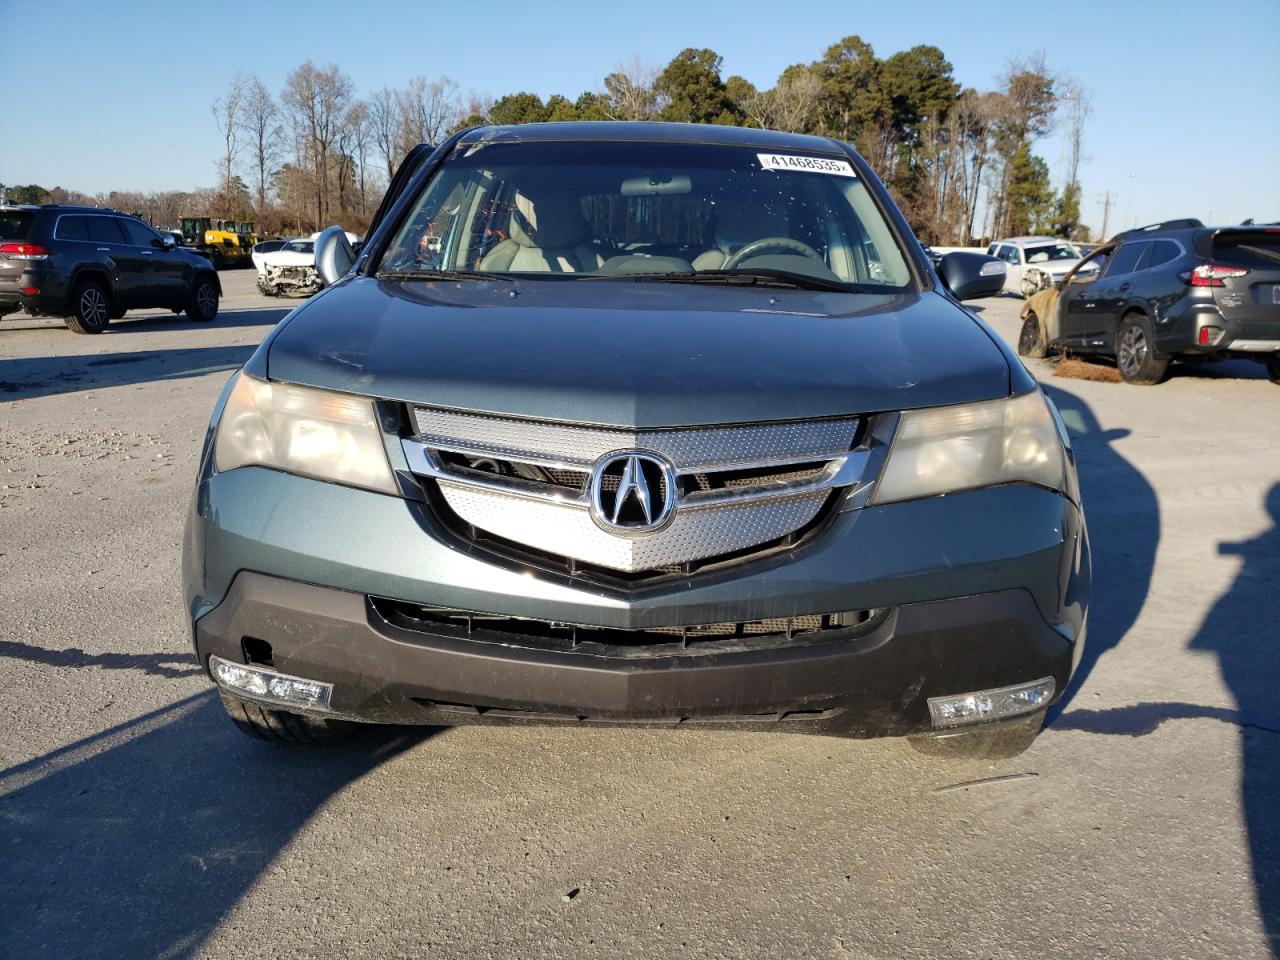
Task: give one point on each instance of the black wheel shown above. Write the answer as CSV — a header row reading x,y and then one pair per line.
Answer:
x,y
1031,341
280,726
1273,367
1007,741
90,308
202,300
1136,355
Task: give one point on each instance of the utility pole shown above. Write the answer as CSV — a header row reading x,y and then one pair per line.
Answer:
x,y
1107,202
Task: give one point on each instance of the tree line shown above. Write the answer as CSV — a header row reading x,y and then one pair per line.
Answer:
x,y
960,162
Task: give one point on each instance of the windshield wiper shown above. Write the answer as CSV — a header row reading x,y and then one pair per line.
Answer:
x,y
440,275
751,278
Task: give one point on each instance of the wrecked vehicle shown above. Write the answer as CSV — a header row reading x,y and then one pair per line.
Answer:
x,y
1174,290
639,423
1034,263
289,271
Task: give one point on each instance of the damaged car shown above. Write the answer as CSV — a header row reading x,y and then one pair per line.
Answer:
x,y
289,271
1171,291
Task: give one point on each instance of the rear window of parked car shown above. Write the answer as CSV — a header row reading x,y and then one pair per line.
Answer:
x,y
104,230
1126,258
14,224
71,228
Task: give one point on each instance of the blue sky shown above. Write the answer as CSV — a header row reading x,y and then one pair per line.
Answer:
x,y
118,95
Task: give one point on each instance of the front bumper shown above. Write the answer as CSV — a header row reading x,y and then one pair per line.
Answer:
x,y
982,589
875,684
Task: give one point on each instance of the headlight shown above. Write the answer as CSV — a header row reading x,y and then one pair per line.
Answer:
x,y
330,436
945,449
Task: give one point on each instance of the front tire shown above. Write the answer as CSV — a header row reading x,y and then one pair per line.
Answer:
x,y
1135,347
280,726
1003,743
1031,341
202,300
90,308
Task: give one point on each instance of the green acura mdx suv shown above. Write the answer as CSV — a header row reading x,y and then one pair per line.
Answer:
x,y
639,423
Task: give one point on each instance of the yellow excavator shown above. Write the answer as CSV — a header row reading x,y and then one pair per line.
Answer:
x,y
216,239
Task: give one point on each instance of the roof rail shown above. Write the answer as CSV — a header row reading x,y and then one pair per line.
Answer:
x,y
1187,223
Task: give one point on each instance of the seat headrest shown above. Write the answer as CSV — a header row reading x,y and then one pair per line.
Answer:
x,y
739,224
548,219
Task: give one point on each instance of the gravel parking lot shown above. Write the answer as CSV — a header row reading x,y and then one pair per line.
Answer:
x,y
135,821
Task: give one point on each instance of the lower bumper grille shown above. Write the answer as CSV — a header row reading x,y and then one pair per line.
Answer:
x,y
706,638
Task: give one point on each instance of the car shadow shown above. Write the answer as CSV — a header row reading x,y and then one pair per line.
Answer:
x,y
1124,530
1241,630
151,321
24,378
137,841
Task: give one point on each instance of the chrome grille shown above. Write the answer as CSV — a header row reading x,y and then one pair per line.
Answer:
x,y
736,486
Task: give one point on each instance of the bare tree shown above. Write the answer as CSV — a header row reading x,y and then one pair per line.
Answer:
x,y
791,105
384,128
629,91
260,123
228,112
428,108
316,99
1076,105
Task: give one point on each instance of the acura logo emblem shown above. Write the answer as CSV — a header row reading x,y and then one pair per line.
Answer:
x,y
632,492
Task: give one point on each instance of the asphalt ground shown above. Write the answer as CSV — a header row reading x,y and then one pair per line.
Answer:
x,y
135,821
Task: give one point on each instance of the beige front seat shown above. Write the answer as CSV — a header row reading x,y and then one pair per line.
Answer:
x,y
548,234
736,226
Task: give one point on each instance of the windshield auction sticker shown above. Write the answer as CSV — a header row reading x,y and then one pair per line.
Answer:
x,y
781,161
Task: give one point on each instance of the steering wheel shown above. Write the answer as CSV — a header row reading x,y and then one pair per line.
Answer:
x,y
771,243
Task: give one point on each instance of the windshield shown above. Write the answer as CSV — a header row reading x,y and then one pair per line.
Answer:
x,y
1051,251
647,210
300,246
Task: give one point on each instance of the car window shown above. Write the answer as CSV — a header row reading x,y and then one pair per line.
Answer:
x,y
1091,267
1125,260
1010,254
104,230
991,250
1162,251
14,224
299,246
71,228
608,208
138,233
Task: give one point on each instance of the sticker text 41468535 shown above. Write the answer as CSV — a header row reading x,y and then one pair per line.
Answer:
x,y
783,161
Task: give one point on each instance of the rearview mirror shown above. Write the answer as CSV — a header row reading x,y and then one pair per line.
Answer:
x,y
334,256
972,275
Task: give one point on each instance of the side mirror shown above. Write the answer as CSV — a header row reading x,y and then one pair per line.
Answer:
x,y
334,256
972,275
167,241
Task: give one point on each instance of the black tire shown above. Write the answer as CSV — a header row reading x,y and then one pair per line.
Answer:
x,y
90,308
1031,342
281,726
1007,741
202,299
1273,367
1135,348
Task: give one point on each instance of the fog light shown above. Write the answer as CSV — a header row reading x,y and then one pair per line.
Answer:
x,y
267,685
965,708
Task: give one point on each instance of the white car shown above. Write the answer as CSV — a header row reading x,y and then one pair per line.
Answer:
x,y
289,271
1034,262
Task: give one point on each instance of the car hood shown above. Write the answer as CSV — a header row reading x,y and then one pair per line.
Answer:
x,y
1056,267
288,258
638,354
